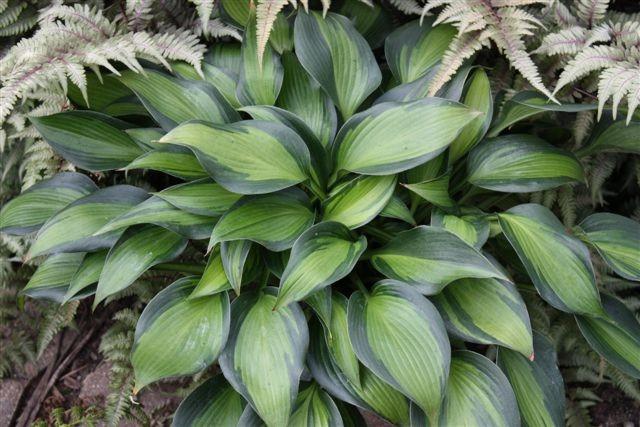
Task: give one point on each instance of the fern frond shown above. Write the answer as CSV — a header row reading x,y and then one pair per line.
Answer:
x,y
266,13
138,13
568,41
591,11
53,322
408,7
204,8
590,59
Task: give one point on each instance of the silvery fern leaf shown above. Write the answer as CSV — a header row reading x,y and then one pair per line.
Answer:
x,y
204,8
591,11
408,7
138,13
266,13
565,42
590,59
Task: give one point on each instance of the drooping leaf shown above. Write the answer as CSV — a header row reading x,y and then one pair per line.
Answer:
x,y
557,263
72,229
314,408
264,357
617,240
137,250
87,274
434,191
273,220
322,255
179,336
214,279
396,208
234,256
247,157
176,161
337,57
429,258
28,211
392,137
396,317
521,163
201,197
471,226
90,140
52,278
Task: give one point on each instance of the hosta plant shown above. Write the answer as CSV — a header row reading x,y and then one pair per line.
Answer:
x,y
339,239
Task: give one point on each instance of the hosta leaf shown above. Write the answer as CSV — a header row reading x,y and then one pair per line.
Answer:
x,y
72,229
201,197
87,274
234,256
397,209
338,343
471,227
478,394
227,56
281,37
617,137
222,79
107,95
137,250
276,262
214,279
434,191
179,336
429,258
558,264
213,403
51,279
272,220
537,384
260,75
172,101
322,255
264,357
321,302
176,161
360,200
370,19
90,140
338,57
237,10
27,212
146,137
393,137
304,97
521,163
615,337
314,408
248,157
396,317
617,240
415,47
486,311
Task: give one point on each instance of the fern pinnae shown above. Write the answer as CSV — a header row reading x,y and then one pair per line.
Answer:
x,y
266,13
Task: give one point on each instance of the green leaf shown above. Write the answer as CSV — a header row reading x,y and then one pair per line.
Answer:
x,y
51,279
214,279
397,209
264,357
223,79
396,317
370,19
172,101
429,258
213,403
320,302
615,337
260,78
106,95
357,202
557,263
146,138
237,10
176,161
337,57
247,157
272,220
28,211
139,249
434,191
201,197
616,238
415,47
178,336
72,229
322,255
338,343
234,256
537,384
520,164
304,97
486,311
314,408
392,137
617,137
227,56
87,274
90,140
471,226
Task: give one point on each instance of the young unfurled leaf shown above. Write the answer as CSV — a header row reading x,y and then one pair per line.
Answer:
x,y
322,255
434,191
558,264
213,403
314,408
396,317
52,278
201,197
234,256
88,273
471,226
176,161
214,279
179,336
429,258
264,357
396,208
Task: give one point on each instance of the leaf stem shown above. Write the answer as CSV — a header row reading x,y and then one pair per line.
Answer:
x,y
358,282
180,267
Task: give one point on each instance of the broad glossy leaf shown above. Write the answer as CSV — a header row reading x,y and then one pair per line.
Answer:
x,y
137,250
521,163
434,191
616,337
486,311
392,137
273,220
237,10
415,47
470,226
617,240
72,229
357,202
314,408
338,57
321,302
28,211
227,56
537,384
322,255
558,264
429,258
617,137
396,317
281,36
234,256
248,157
223,79
176,161
213,403
172,101
51,279
264,357
87,274
146,138
201,197
179,336
107,95
396,208
90,140
214,279
338,342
